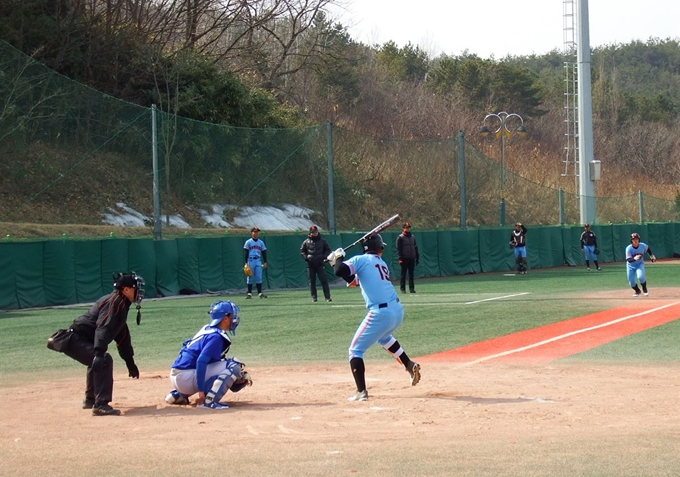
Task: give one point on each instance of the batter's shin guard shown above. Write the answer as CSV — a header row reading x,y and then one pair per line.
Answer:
x,y
358,373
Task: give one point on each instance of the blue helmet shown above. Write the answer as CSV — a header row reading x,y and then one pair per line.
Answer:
x,y
220,309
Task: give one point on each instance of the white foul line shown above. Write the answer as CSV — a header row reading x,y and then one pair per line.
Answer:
x,y
495,298
566,335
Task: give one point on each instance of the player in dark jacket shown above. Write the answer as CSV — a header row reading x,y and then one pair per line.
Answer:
x,y
407,253
91,334
314,251
589,247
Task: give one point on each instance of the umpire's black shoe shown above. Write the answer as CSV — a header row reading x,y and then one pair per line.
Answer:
x,y
412,290
105,410
88,403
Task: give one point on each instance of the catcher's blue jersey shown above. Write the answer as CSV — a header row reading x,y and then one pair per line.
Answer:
x,y
374,278
207,346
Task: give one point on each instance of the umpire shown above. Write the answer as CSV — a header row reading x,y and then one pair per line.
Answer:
x,y
314,251
88,339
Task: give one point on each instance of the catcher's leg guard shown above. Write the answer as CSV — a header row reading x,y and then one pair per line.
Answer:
x,y
523,264
222,382
518,262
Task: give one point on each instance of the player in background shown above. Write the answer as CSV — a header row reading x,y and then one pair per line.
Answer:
x,y
385,313
589,247
314,251
635,266
89,336
518,243
256,257
202,366
409,257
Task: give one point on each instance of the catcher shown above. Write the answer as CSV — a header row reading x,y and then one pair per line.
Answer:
x,y
202,366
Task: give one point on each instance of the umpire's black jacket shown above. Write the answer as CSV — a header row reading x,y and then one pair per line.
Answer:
x,y
106,321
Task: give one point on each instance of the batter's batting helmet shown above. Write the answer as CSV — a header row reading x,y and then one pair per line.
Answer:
x,y
634,235
220,309
374,244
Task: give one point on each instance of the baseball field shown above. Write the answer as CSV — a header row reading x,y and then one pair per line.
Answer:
x,y
560,372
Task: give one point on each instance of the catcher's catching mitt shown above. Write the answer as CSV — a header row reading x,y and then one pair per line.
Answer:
x,y
247,270
597,251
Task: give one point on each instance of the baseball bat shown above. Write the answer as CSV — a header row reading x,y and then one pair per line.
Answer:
x,y
376,230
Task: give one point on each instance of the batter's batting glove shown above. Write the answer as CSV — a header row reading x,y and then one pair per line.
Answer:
x,y
652,258
335,255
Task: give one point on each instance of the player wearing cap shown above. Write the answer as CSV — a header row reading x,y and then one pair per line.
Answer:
x,y
88,339
314,251
409,257
589,247
202,366
518,243
635,266
256,257
385,313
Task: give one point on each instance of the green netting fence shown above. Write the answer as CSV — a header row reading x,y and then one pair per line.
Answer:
x,y
347,179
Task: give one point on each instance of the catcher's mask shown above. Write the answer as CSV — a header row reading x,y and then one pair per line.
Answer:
x,y
374,244
220,309
634,236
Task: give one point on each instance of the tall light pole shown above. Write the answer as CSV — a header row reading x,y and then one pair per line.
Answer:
x,y
501,119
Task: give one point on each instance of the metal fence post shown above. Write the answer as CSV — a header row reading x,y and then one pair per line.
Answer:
x,y
641,207
461,180
156,180
331,192
560,195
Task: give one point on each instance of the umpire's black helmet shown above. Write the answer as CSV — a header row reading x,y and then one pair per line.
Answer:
x,y
374,244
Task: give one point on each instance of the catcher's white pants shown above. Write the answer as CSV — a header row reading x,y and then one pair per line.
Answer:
x,y
184,380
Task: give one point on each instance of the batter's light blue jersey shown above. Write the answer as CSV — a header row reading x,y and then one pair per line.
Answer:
x,y
255,248
374,279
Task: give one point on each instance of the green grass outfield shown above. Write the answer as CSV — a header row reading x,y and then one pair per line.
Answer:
x,y
287,328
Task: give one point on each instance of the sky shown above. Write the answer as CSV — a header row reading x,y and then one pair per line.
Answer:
x,y
497,28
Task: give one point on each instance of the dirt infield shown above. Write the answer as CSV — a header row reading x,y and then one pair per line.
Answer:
x,y
491,418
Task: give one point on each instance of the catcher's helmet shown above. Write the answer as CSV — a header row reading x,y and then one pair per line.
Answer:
x,y
634,235
132,280
220,309
374,244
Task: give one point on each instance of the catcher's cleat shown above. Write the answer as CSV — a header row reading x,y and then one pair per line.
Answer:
x,y
359,396
262,295
214,405
105,410
249,296
413,369
88,403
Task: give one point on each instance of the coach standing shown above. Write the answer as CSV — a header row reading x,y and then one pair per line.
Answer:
x,y
407,253
314,251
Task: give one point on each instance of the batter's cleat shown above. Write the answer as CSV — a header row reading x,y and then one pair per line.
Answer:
x,y
636,294
329,300
105,410
262,295
88,403
646,293
359,396
175,397
214,405
413,369
249,296
599,269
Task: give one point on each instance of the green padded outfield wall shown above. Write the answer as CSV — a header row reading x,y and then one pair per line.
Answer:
x,y
64,272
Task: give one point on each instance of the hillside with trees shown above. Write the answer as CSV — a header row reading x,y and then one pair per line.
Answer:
x,y
287,64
